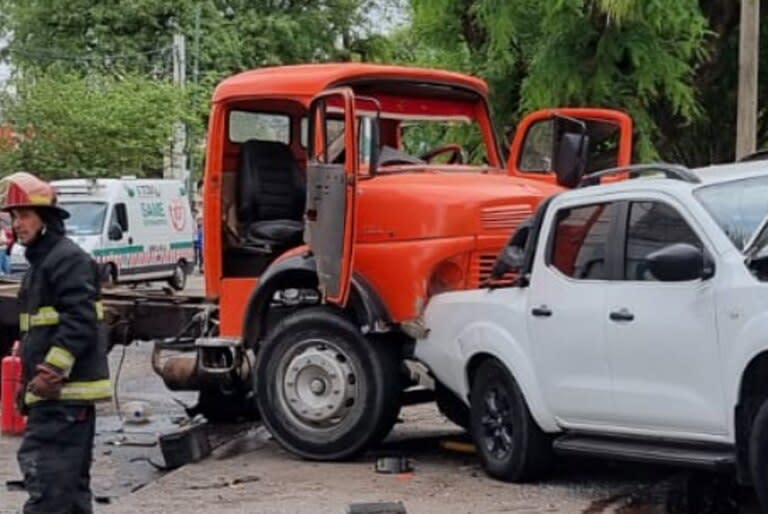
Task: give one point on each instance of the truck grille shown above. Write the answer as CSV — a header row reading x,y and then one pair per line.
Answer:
x,y
505,217
480,269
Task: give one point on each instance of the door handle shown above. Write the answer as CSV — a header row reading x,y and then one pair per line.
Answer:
x,y
622,315
541,311
130,240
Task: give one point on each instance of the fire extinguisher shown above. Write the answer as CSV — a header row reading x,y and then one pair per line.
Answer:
x,y
11,420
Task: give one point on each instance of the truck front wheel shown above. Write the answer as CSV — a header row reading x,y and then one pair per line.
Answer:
x,y
511,445
325,392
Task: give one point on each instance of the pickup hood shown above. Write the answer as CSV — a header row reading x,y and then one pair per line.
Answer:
x,y
408,206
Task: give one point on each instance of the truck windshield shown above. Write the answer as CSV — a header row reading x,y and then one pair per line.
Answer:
x,y
411,140
738,206
85,218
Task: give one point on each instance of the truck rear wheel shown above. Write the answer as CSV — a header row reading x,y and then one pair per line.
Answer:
x,y
325,392
510,444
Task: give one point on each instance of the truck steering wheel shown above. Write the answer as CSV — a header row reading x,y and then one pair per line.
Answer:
x,y
457,154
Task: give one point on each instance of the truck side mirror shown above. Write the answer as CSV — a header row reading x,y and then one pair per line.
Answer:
x,y
115,233
679,262
570,158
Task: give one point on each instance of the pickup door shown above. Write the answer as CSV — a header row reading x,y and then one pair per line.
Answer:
x,y
566,296
614,346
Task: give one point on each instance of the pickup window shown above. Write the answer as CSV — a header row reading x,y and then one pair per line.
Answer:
x,y
650,227
579,241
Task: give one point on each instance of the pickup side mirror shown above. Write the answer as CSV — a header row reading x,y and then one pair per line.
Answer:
x,y
115,233
512,257
510,260
679,262
570,158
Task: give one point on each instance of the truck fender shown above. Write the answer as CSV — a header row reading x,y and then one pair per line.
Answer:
x,y
485,338
368,308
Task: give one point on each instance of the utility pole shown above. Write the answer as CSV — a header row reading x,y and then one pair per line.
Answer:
x,y
749,43
178,168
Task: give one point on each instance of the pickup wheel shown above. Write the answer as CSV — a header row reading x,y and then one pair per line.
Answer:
x,y
510,444
758,455
325,392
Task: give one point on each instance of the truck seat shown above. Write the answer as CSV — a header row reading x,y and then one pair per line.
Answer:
x,y
270,195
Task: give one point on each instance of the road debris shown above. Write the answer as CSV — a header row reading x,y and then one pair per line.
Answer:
x,y
376,508
227,483
393,464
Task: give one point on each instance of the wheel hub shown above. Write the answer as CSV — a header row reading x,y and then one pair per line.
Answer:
x,y
498,431
318,385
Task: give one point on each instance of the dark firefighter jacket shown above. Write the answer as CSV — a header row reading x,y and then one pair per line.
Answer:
x,y
61,319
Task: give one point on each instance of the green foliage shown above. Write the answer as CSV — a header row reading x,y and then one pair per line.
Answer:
x,y
92,76
69,125
628,54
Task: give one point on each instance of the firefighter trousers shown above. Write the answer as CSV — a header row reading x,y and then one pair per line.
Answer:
x,y
55,458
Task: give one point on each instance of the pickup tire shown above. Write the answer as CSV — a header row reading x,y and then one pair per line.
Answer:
x,y
758,455
510,444
324,391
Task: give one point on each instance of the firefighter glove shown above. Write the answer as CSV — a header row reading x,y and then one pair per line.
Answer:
x,y
47,383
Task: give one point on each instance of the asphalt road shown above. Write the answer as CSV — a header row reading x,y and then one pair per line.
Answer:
x,y
249,473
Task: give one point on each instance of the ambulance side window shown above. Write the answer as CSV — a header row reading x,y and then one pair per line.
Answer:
x,y
120,217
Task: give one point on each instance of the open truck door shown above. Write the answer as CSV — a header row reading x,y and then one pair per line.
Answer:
x,y
341,144
561,145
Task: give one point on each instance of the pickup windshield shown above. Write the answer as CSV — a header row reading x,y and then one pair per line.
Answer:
x,y
85,218
738,206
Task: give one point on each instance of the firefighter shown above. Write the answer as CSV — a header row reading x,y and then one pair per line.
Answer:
x,y
64,350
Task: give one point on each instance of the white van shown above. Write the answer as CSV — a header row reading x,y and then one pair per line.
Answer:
x,y
140,230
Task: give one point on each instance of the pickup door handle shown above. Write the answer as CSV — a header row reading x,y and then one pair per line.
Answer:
x,y
541,311
622,315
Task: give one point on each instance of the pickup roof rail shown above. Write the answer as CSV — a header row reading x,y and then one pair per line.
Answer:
x,y
671,171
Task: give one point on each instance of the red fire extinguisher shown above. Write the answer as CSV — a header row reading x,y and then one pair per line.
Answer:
x,y
11,420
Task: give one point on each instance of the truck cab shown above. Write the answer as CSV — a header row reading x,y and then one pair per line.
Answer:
x,y
338,198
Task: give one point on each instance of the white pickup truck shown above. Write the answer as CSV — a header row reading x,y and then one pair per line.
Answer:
x,y
636,327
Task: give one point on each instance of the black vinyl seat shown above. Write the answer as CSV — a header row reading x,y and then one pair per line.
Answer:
x,y
270,195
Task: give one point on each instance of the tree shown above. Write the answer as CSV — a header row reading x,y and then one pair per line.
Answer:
x,y
636,56
69,125
117,55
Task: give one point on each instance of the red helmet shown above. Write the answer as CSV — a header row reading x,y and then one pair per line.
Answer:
x,y
24,190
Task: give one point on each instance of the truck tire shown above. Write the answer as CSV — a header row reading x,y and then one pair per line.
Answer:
x,y
325,392
758,455
178,280
510,444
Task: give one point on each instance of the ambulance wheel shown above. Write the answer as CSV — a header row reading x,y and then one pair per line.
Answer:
x,y
324,391
178,280
109,275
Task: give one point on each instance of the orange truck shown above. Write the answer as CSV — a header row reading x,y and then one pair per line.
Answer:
x,y
337,200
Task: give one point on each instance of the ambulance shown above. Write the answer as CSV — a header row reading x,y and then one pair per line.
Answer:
x,y
138,230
